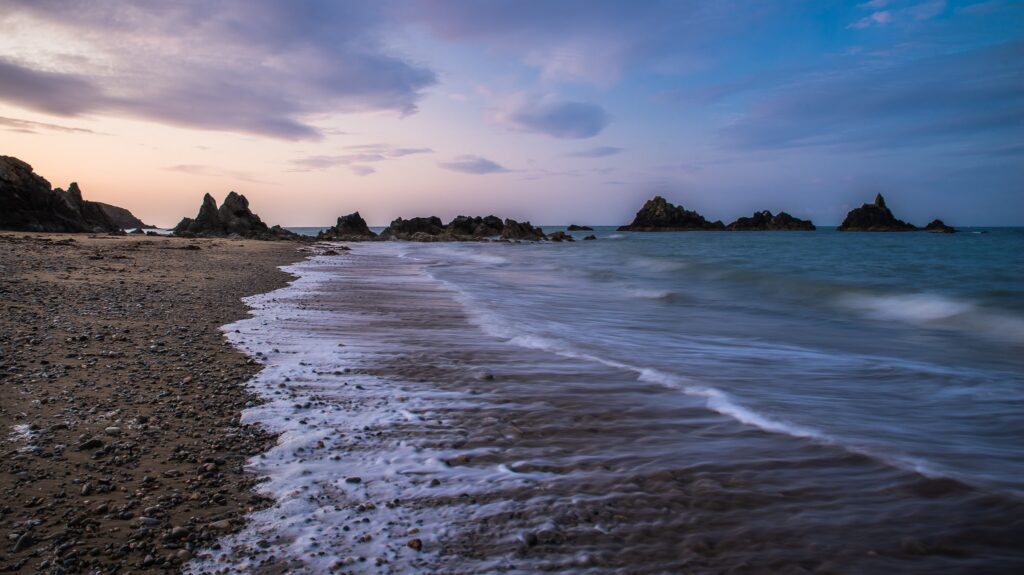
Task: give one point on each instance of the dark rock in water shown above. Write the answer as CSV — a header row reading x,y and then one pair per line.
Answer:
x,y
765,221
350,228
874,217
575,228
658,215
476,227
590,237
123,218
233,218
939,227
28,203
561,237
423,228
521,231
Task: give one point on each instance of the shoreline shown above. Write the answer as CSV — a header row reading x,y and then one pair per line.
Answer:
x,y
120,398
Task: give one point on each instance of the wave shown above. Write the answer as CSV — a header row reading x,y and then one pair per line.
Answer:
x,y
938,312
655,294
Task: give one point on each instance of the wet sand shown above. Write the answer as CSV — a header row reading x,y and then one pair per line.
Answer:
x,y
120,443
414,442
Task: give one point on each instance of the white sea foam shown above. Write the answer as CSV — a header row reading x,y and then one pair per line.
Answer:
x,y
937,312
657,294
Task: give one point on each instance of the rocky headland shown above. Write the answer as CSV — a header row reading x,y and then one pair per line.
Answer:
x,y
658,215
29,203
764,221
874,217
123,218
232,219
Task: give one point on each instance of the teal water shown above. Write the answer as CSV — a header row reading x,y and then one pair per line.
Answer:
x,y
907,347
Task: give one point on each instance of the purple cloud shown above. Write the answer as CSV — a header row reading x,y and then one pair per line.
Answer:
x,y
596,152
200,64
566,120
473,165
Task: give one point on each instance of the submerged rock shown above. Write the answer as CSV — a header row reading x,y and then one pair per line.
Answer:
x,y
658,215
351,228
561,237
590,237
765,221
29,203
939,227
874,217
233,218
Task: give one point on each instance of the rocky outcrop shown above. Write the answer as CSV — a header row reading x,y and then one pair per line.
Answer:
x,y
123,218
939,227
232,218
522,231
29,203
874,217
560,237
658,215
765,221
590,237
350,228
460,229
575,228
476,227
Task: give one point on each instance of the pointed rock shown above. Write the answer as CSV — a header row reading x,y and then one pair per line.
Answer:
x,y
350,228
658,215
874,217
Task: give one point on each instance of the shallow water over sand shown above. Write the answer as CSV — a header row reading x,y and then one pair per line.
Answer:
x,y
498,443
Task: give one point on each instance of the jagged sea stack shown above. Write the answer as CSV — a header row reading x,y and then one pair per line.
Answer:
x,y
658,215
233,218
874,217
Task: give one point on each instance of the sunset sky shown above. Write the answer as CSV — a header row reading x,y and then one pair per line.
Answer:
x,y
552,111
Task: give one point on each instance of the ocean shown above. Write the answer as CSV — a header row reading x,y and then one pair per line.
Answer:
x,y
788,402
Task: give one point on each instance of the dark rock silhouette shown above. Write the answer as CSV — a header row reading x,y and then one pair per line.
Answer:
x,y
476,227
123,218
350,228
522,231
561,237
874,217
575,228
29,203
658,215
590,237
233,218
939,227
765,221
460,229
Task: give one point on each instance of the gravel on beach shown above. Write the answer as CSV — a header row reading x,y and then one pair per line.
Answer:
x,y
121,448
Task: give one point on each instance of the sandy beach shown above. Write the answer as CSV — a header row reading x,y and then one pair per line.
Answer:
x,y
120,399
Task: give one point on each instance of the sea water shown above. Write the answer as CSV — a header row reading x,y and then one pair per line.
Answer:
x,y
644,403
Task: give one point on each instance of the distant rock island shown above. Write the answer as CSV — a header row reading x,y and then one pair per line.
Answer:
x,y
658,215
874,217
575,228
350,228
765,221
232,218
938,227
460,229
28,203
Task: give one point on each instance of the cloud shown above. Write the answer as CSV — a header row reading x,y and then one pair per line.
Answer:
x,y
258,67
359,154
30,127
596,152
913,13
473,165
876,18
214,172
558,119
963,99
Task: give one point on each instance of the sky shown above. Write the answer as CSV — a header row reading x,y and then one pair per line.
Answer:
x,y
555,111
